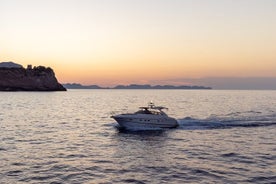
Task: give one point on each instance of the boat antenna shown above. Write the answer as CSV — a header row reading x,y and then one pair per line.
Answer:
x,y
151,104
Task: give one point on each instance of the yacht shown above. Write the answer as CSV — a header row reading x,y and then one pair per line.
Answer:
x,y
150,117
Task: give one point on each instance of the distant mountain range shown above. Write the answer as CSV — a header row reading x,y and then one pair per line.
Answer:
x,y
132,86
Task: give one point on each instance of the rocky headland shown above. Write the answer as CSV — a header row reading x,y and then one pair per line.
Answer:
x,y
14,77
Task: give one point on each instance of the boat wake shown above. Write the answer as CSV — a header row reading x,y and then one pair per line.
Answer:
x,y
232,120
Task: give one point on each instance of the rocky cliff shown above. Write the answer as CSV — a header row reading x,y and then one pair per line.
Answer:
x,y
32,79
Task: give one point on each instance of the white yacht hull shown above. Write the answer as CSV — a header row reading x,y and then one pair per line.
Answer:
x,y
145,121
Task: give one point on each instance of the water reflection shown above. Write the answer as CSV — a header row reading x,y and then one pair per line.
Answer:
x,y
159,132
69,138
140,152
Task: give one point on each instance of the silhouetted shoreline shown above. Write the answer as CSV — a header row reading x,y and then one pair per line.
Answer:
x,y
131,86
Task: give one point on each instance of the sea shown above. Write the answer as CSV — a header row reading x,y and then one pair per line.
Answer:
x,y
224,136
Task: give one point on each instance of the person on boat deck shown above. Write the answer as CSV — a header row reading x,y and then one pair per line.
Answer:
x,y
147,111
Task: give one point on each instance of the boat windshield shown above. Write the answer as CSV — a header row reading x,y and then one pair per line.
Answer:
x,y
150,111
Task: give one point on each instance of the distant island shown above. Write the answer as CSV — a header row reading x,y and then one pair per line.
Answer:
x,y
132,86
14,77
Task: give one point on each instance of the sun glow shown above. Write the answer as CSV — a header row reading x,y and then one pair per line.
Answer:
x,y
93,42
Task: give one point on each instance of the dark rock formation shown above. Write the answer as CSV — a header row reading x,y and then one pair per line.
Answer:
x,y
32,79
10,64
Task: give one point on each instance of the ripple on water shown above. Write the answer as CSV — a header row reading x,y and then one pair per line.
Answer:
x,y
229,155
133,181
76,156
2,149
263,179
41,178
18,164
14,173
69,138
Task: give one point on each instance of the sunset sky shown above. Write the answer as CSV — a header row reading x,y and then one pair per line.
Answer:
x,y
108,42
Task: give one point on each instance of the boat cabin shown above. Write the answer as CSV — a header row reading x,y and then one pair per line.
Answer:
x,y
151,110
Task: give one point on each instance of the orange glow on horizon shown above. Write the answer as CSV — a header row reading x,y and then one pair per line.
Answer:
x,y
120,43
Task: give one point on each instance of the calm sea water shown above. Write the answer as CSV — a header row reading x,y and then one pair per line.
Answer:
x,y
69,137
